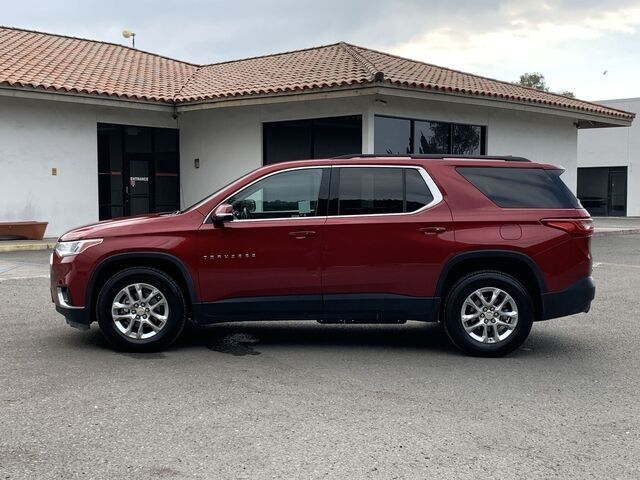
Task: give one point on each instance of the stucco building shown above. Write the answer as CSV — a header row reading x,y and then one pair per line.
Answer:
x,y
609,166
92,130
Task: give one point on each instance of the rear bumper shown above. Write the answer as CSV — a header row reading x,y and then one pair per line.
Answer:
x,y
575,299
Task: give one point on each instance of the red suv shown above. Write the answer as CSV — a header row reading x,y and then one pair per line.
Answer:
x,y
485,246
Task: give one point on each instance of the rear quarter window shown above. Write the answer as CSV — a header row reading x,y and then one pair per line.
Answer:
x,y
521,187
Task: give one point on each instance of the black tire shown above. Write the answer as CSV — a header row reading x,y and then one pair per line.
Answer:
x,y
453,310
167,287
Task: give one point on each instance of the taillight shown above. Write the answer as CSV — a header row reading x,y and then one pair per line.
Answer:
x,y
573,226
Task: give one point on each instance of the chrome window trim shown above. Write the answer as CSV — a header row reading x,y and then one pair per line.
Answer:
x,y
431,185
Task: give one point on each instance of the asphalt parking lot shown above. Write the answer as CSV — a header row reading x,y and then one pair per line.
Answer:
x,y
303,400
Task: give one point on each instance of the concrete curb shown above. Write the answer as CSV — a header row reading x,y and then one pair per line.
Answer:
x,y
27,247
608,233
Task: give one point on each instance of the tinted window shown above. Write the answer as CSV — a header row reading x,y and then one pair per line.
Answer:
x,y
400,136
431,137
285,141
369,191
313,138
337,136
521,187
392,136
466,140
283,195
167,166
417,192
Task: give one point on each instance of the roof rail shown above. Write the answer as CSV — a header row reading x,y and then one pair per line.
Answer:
x,y
506,158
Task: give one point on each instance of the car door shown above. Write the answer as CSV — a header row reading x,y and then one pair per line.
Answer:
x,y
266,262
385,240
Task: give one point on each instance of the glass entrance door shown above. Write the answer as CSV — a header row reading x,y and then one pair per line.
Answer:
x,y
603,190
138,170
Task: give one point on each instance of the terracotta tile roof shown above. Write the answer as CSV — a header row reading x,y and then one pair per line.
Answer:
x,y
313,68
411,73
55,62
40,60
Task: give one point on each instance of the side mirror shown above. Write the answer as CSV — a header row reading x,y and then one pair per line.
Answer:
x,y
223,213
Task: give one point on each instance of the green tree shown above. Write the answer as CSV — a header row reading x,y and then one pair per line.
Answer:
x,y
536,80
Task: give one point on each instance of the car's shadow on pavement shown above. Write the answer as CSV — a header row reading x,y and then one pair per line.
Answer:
x,y
250,338
254,338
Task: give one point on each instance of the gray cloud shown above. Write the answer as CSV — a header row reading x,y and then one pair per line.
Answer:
x,y
205,32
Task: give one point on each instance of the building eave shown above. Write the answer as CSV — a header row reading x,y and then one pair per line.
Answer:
x,y
581,119
85,99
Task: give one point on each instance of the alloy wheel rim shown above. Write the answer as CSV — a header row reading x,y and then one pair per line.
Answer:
x,y
489,315
140,311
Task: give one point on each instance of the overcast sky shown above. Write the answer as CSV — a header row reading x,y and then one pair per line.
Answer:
x,y
571,42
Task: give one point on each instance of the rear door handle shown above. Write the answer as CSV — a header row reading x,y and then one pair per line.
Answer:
x,y
302,234
432,230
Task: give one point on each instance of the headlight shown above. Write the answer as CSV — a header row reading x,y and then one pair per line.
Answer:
x,y
69,249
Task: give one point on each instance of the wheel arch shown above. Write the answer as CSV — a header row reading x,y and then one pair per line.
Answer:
x,y
516,264
166,262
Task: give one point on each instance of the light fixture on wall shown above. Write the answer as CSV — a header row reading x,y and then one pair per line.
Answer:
x,y
196,163
131,35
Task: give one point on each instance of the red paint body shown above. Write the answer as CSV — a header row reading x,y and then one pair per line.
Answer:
x,y
347,255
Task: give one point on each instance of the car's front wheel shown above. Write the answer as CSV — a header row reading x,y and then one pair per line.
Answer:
x,y
141,309
488,314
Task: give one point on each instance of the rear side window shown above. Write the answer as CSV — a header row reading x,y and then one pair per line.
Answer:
x,y
521,187
380,190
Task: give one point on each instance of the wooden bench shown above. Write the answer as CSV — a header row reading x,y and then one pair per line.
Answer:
x,y
22,230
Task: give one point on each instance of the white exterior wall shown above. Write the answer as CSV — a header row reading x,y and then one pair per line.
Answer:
x,y
36,136
616,147
228,141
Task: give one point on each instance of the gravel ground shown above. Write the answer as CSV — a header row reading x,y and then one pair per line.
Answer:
x,y
303,400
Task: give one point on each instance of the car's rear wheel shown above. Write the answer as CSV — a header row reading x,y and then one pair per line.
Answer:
x,y
141,309
488,314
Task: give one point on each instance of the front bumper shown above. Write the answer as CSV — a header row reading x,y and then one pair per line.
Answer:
x,y
77,317
575,299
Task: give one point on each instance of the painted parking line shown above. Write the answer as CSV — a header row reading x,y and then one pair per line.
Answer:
x,y
607,264
29,277
7,268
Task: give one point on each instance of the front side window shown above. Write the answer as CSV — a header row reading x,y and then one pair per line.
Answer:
x,y
282,195
380,190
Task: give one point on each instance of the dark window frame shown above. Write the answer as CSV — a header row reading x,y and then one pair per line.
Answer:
x,y
312,139
606,208
125,171
412,122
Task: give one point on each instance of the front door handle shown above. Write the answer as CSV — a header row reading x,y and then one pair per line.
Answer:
x,y
433,230
302,234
